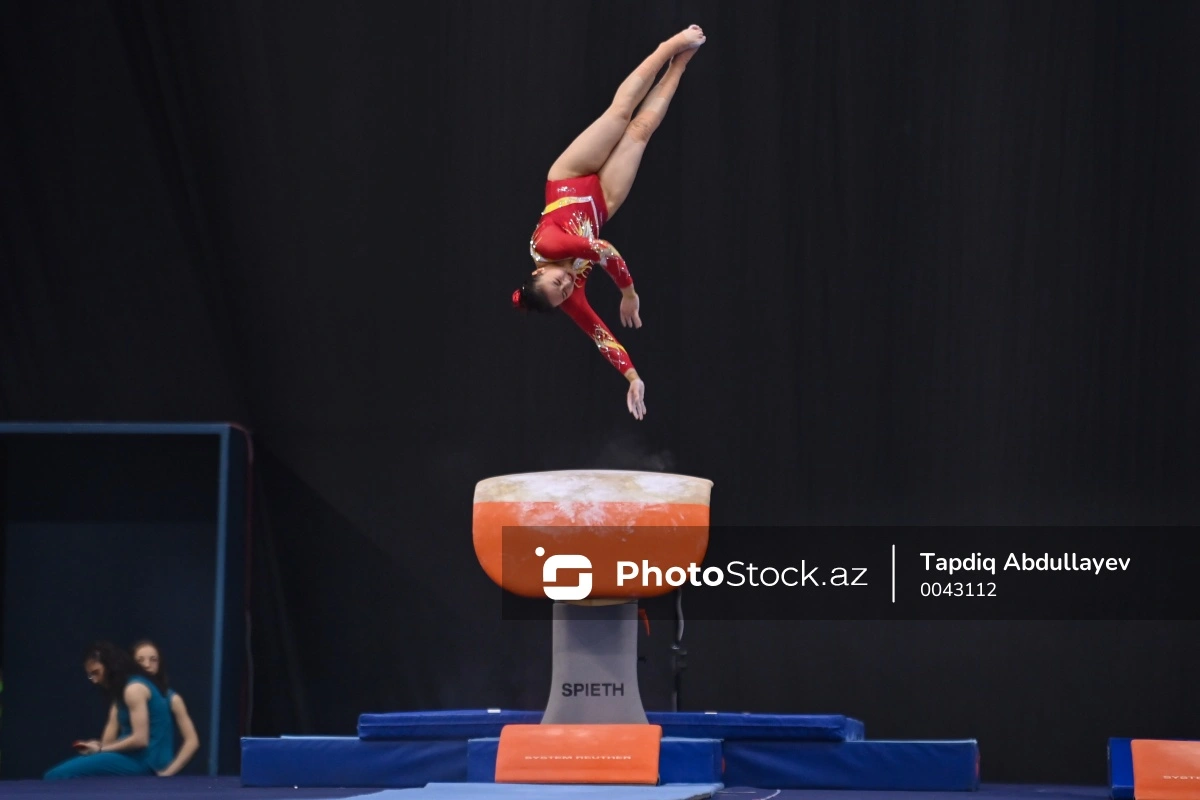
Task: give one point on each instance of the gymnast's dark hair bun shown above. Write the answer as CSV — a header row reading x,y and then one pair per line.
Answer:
x,y
530,298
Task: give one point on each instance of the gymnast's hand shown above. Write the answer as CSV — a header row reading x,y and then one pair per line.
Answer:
x,y
629,310
635,399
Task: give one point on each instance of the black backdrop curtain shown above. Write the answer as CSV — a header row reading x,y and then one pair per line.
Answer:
x,y
900,263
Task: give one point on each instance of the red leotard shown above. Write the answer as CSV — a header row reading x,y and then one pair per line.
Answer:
x,y
569,228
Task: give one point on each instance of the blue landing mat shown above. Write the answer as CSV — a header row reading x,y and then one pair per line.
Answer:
x,y
1120,768
861,765
945,766
348,761
535,791
482,724
456,724
733,726
693,761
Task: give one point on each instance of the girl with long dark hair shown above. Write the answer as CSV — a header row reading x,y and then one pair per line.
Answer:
x,y
137,737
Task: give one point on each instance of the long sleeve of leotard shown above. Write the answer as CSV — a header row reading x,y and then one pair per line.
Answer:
x,y
555,244
577,308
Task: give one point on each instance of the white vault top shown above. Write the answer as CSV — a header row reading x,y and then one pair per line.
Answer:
x,y
594,486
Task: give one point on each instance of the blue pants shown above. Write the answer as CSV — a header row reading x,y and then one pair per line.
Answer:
x,y
97,764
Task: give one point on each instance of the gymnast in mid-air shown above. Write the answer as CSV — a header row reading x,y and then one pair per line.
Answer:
x,y
584,189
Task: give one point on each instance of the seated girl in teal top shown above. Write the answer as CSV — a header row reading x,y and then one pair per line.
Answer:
x,y
138,735
148,657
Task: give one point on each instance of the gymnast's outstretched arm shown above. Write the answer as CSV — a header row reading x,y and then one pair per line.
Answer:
x,y
578,309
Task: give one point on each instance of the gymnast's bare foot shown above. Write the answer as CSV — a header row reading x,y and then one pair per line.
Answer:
x,y
688,39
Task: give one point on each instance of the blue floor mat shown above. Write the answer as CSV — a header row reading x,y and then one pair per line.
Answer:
x,y
191,787
306,761
536,791
937,766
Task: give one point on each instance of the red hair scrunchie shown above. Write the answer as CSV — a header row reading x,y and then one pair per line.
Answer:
x,y
516,298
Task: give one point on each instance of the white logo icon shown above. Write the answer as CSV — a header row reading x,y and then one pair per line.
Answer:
x,y
568,561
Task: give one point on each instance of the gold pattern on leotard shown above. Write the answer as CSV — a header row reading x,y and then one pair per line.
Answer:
x,y
564,201
581,269
581,225
610,348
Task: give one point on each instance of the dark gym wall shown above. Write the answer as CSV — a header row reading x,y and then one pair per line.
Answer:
x,y
900,263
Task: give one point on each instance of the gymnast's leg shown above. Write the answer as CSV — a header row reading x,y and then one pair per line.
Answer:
x,y
620,170
592,148
97,765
